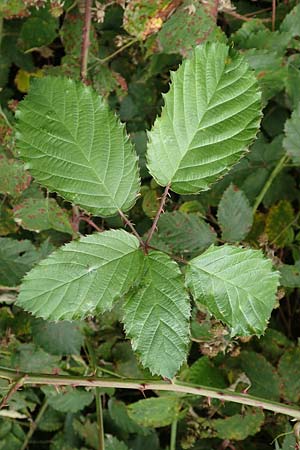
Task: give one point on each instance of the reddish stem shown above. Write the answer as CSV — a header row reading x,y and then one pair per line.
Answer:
x,y
91,223
86,40
159,211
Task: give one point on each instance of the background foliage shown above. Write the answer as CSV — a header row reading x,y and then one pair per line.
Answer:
x,y
134,45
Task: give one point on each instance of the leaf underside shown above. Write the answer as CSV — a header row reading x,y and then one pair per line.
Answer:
x,y
83,277
237,286
75,145
211,115
156,316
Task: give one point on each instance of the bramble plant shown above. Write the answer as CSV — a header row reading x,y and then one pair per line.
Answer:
x,y
74,145
185,234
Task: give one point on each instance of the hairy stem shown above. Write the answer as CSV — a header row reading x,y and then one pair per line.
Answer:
x,y
85,40
173,434
100,419
30,378
34,425
157,216
277,169
132,227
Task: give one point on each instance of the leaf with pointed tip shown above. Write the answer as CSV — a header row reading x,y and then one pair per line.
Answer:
x,y
234,214
156,316
83,277
75,145
291,141
237,286
211,114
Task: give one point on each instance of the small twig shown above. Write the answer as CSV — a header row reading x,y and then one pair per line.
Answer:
x,y
131,226
260,11
277,169
34,425
15,386
273,14
240,16
159,211
91,223
86,40
173,434
112,55
75,219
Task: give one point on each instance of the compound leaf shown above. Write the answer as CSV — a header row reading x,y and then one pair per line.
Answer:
x,y
211,115
234,214
237,285
83,277
74,145
156,316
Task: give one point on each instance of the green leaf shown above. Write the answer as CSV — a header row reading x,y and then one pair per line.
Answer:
x,y
83,277
112,443
290,275
194,17
234,214
205,373
14,179
16,259
291,142
210,117
37,32
183,233
42,214
69,400
74,145
51,420
289,368
237,286
156,316
279,223
29,358
291,22
265,382
239,427
119,414
155,412
63,338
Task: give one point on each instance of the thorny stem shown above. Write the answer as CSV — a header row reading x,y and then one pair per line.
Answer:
x,y
131,226
30,378
34,425
159,211
173,434
85,40
279,166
